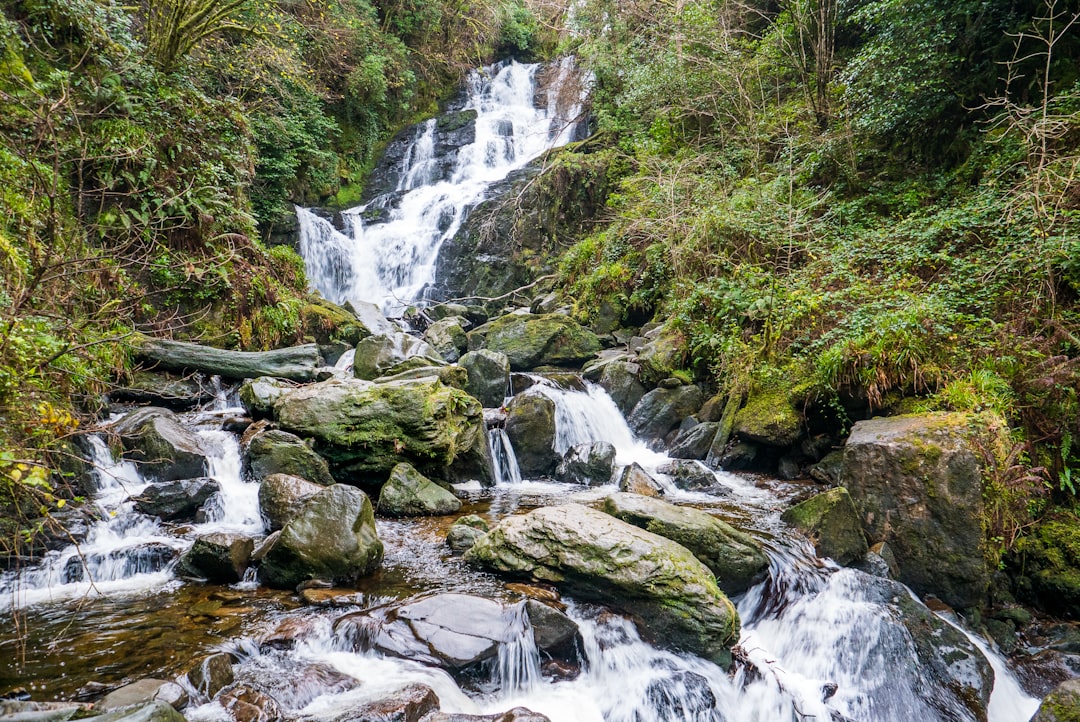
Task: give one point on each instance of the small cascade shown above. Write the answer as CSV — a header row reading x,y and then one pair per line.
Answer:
x,y
518,667
387,252
123,551
503,460
235,507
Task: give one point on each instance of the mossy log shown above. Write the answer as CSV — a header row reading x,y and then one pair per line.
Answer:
x,y
297,363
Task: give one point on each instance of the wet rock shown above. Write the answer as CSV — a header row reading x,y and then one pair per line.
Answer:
x,y
681,696
636,480
448,338
589,464
219,557
282,496
918,486
288,632
27,711
142,558
279,452
596,556
377,355
333,538
409,493
1061,705
769,418
661,410
258,396
832,523
830,469
694,443
211,674
173,500
1045,563
518,714
489,376
247,704
788,468
736,558
454,376
364,430
554,632
145,690
663,352
164,449
530,425
155,711
879,561
411,704
451,631
165,390
739,456
531,341
620,379
465,531
691,476
299,363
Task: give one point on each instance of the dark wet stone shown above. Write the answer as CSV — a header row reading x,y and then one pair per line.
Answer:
x,y
176,500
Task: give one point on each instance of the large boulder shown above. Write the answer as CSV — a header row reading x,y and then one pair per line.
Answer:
x,y
832,523
590,464
620,378
695,442
279,452
1061,705
364,430
299,363
691,476
163,448
259,395
530,426
409,493
142,691
661,410
917,485
451,631
769,418
447,337
530,341
465,531
328,322
176,500
382,353
594,555
282,496
332,539
489,376
736,558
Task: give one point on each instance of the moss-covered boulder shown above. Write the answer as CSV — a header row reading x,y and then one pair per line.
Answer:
x,y
383,354
448,338
278,452
282,497
662,355
1046,565
364,430
1061,705
409,493
163,448
661,410
327,322
489,376
596,556
530,426
917,484
259,395
832,523
736,558
465,531
769,418
530,341
333,538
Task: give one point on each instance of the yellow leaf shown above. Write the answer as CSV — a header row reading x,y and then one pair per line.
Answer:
x,y
61,503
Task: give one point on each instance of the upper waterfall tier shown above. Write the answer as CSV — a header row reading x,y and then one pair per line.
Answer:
x,y
438,170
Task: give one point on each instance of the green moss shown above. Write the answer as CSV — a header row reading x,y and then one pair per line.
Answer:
x,y
769,417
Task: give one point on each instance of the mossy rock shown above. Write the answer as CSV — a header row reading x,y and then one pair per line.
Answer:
x,y
1061,705
530,426
663,356
769,418
409,493
279,452
832,523
1047,563
531,341
327,322
364,430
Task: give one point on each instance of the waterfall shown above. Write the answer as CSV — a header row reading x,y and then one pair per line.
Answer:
x,y
518,668
503,460
387,252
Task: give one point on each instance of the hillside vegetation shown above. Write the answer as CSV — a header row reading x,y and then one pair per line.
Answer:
x,y
866,207
147,148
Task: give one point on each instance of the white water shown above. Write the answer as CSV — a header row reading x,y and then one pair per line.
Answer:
x,y
392,261
503,459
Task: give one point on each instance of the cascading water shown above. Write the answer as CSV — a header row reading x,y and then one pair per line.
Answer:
x,y
503,459
390,259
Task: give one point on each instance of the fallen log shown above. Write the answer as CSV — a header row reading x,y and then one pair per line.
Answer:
x,y
297,363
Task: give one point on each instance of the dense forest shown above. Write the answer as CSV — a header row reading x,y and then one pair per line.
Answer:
x,y
842,208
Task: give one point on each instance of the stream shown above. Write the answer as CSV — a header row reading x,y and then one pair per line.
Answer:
x,y
820,642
